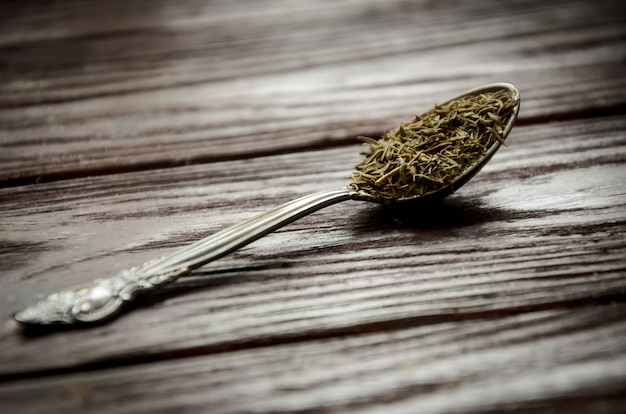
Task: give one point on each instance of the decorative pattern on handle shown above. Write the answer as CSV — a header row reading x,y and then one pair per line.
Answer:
x,y
105,297
99,301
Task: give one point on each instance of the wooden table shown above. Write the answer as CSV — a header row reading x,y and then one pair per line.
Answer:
x,y
130,128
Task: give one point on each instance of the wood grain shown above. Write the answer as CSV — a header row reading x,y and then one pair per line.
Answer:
x,y
530,235
129,129
521,363
260,91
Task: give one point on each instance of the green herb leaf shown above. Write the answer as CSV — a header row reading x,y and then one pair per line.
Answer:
x,y
426,154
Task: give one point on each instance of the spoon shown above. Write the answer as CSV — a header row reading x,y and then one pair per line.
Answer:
x,y
104,298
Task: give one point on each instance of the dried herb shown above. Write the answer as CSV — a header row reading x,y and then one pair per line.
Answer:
x,y
426,154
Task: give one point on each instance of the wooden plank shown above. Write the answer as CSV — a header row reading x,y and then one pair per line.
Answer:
x,y
204,41
549,361
206,94
529,233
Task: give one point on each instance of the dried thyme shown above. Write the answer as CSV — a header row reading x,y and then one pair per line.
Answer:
x,y
426,154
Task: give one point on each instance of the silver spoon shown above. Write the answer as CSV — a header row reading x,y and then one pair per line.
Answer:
x,y
104,297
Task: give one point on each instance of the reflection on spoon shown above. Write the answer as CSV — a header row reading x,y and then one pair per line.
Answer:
x,y
427,158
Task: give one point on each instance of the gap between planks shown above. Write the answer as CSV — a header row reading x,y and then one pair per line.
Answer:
x,y
596,113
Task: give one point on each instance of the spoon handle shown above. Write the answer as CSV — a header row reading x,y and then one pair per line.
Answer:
x,y
105,297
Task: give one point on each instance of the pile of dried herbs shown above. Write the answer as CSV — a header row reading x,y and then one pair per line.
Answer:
x,y
427,153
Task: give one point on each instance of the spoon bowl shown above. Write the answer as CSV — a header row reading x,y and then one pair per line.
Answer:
x,y
461,179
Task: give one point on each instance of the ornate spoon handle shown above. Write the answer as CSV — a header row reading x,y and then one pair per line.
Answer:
x,y
105,297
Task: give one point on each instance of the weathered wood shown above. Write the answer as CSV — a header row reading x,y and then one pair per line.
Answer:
x,y
530,362
151,125
260,91
528,233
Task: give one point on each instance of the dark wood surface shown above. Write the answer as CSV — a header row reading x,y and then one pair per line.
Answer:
x,y
128,129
